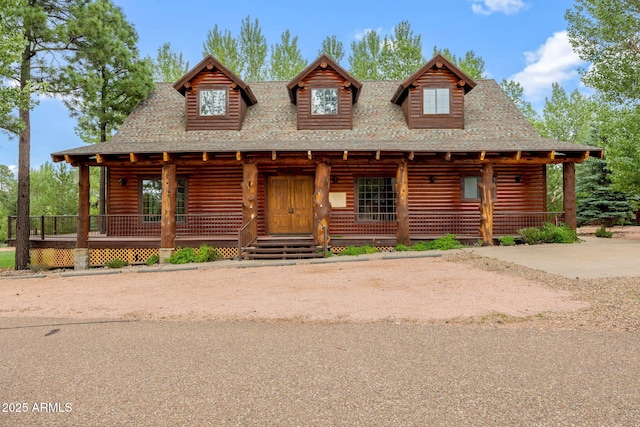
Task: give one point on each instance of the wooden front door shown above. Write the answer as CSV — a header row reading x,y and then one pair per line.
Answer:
x,y
290,204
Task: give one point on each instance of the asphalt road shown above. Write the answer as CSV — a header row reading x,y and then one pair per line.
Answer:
x,y
64,373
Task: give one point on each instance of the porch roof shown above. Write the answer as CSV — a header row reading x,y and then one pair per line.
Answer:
x,y
492,123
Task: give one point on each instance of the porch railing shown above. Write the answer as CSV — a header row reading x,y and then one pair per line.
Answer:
x,y
436,223
247,235
190,225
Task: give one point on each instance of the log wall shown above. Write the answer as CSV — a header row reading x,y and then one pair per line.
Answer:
x,y
320,79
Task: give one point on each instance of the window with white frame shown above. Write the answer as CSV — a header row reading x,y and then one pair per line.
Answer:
x,y
435,101
324,101
152,200
213,102
376,199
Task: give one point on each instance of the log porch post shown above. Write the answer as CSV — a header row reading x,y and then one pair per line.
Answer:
x,y
250,197
402,204
168,218
321,205
569,194
81,251
487,189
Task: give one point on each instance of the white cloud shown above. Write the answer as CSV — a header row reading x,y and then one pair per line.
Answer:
x,y
487,7
359,35
553,62
14,169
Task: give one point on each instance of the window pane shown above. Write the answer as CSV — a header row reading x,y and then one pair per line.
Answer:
x,y
152,200
376,199
471,190
442,101
324,101
435,101
213,102
429,98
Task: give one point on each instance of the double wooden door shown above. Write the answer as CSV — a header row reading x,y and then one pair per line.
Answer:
x,y
290,204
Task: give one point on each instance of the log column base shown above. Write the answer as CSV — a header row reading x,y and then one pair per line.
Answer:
x,y
81,259
164,253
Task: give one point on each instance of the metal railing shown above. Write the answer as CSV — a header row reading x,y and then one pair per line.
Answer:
x,y
247,235
346,223
430,223
190,225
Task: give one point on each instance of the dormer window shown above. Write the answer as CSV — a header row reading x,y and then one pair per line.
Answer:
x,y
213,102
324,101
436,101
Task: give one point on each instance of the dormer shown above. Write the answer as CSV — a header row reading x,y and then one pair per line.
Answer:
x,y
324,94
433,97
215,98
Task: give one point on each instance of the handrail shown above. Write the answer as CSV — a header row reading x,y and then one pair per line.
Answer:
x,y
325,242
242,237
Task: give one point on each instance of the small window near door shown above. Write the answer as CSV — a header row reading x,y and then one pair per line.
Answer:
x,y
151,190
376,199
470,188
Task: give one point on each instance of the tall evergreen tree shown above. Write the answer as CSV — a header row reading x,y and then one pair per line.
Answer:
x,y
401,54
106,74
286,59
169,65
364,60
225,48
43,27
332,47
253,49
596,201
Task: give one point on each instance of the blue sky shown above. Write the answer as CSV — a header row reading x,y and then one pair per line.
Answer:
x,y
523,40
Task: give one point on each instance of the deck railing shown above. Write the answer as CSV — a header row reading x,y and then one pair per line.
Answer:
x,y
435,223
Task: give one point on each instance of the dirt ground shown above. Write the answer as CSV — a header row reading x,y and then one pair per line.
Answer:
x,y
453,288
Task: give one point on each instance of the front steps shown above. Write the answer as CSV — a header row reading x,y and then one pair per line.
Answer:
x,y
283,247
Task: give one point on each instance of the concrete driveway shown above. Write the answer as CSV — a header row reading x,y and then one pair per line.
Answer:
x,y
593,258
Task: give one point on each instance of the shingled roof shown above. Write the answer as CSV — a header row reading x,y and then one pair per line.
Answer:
x,y
492,123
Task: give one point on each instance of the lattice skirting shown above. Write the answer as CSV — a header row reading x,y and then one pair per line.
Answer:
x,y
63,258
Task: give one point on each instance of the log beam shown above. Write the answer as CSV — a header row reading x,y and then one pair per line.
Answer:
x,y
487,189
168,218
402,204
569,194
321,205
82,239
250,197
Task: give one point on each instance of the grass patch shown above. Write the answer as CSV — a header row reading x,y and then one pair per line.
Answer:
x,y
604,233
8,259
188,255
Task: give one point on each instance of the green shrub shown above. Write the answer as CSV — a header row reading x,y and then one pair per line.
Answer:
x,y
359,250
116,263
548,233
603,232
442,244
207,254
182,256
402,248
153,259
187,255
508,241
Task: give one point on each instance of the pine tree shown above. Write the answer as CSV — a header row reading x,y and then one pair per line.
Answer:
x,y
596,202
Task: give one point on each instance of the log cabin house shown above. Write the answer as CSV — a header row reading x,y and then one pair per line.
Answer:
x,y
323,161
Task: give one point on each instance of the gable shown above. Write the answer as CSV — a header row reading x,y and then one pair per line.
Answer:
x,y
433,97
324,94
215,98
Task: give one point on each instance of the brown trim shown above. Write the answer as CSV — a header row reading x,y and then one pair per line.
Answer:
x,y
436,115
